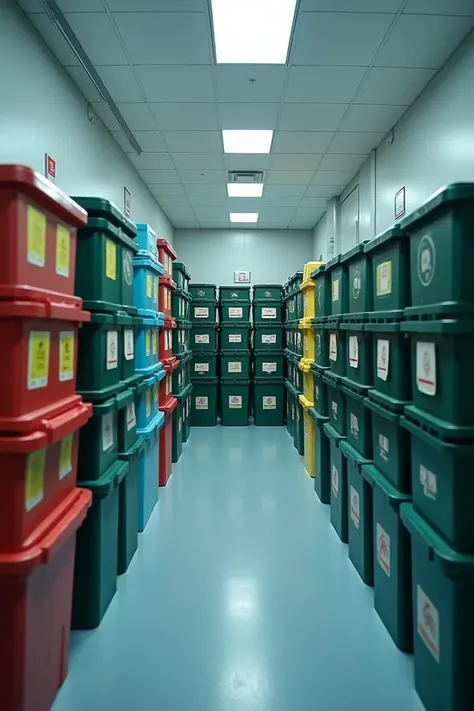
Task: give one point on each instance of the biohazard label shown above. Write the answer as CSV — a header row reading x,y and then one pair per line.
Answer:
x,y
355,506
234,366
110,260
354,423
131,416
235,402
38,359
269,338
107,431
429,483
128,344
66,356
383,359
149,285
202,403
269,367
269,403
356,284
154,342
427,622
334,410
65,456
201,367
127,263
36,237
148,341
201,338
384,279
34,484
426,260
383,549
201,312
335,481
112,350
269,313
426,368
332,347
235,312
235,338
335,289
63,250
353,352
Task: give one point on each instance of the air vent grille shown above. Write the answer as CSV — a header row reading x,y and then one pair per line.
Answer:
x,y
245,176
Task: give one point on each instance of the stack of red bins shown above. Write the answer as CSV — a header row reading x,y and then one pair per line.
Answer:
x,y
166,255
40,416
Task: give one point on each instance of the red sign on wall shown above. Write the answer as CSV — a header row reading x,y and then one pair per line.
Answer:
x,y
50,167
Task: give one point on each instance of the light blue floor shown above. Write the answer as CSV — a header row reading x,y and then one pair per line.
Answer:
x,y
240,598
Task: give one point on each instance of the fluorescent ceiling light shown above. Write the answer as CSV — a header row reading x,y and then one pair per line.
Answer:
x,y
247,141
243,216
252,31
245,190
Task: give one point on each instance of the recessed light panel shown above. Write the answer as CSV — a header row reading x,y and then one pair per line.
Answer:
x,y
245,190
247,141
243,216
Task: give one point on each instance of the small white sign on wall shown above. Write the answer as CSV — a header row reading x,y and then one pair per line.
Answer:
x,y
400,206
241,277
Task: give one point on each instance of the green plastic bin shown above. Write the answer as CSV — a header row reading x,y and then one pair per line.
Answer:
x,y
98,443
442,252
322,292
204,403
337,271
360,281
338,477
204,336
267,292
181,373
235,336
234,311
391,361
298,435
203,291
181,337
181,276
187,406
392,560
95,570
361,525
235,365
204,365
322,453
321,341
177,424
235,293
359,368
269,402
268,364
320,398
268,337
336,347
267,311
290,409
442,590
203,311
390,272
128,506
235,403
358,429
441,479
127,417
181,305
336,402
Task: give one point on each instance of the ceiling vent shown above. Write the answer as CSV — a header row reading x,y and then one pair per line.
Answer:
x,y
245,176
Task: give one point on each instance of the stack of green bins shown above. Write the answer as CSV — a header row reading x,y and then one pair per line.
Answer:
x,y
109,445
268,362
293,350
234,355
204,346
181,381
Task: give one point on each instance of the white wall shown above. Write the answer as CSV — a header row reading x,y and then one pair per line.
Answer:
x,y
320,247
41,111
270,255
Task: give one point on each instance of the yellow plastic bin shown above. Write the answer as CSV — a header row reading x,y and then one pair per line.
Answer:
x,y
308,338
308,422
308,380
307,287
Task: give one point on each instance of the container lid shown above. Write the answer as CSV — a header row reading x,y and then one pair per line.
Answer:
x,y
351,452
352,324
124,398
318,370
354,390
318,272
267,286
147,431
134,451
147,382
164,244
44,309
318,322
180,267
308,268
183,294
268,354
334,262
120,318
144,259
170,364
208,326
382,326
208,381
244,353
289,386
236,287
103,408
109,480
204,302
244,382
333,323
183,323
102,208
200,285
394,232
43,192
306,404
320,419
332,379
169,322
184,393
333,435
357,251
445,326
453,193
166,280
151,319
206,354
265,302
439,434
384,405
167,408
269,381
236,325
372,475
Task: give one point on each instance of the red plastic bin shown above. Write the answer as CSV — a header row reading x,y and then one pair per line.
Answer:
x,y
37,472
36,600
166,255
166,385
166,339
166,441
167,286
38,224
39,361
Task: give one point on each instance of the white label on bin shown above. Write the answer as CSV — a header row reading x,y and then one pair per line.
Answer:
x,y
131,417
426,368
335,481
38,359
202,403
269,338
107,431
384,447
356,283
269,403
112,350
334,410
180,424
34,480
269,367
332,346
355,507
234,366
426,260
201,338
335,289
316,392
235,312
66,356
129,344
429,482
383,358
354,426
235,338
383,549
384,279
201,367
201,312
65,456
427,622
235,402
269,313
169,383
318,344
353,351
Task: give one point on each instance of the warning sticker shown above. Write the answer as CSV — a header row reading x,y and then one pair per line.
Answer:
x,y
234,366
34,485
36,237
202,403
384,279
127,266
335,481
269,367
201,338
169,383
269,403
426,368
128,344
269,338
201,367
353,351
334,410
332,346
63,249
429,482
383,549
154,342
383,359
148,341
65,456
383,447
354,426
269,313
235,402
131,416
235,312
38,359
235,338
112,350
66,356
110,259
427,622
335,289
201,312
149,285
107,431
148,402
355,507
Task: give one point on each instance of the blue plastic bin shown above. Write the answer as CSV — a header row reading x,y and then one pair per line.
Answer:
x,y
147,405
146,274
147,343
146,240
148,470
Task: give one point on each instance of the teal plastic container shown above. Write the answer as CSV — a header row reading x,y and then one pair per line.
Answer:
x,y
336,402
337,271
234,311
268,337
322,292
204,365
336,347
320,398
298,430
203,311
359,368
338,477
267,292
322,452
181,276
267,311
390,272
187,406
204,336
235,293
268,364
181,305
269,402
360,286
358,429
321,342
178,424
235,403
391,359
235,365
128,506
392,560
204,405
235,336
289,417
203,291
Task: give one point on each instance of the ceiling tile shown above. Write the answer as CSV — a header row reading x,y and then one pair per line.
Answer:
x,y
353,5
163,190
123,141
244,161
423,41
208,190
183,213
32,6
54,40
276,214
440,7
295,161
84,84
212,177
137,116
169,84
185,117
209,200
283,191
150,141
353,142
324,191
311,117
174,200
196,161
332,177
393,85
208,224
147,161
323,84
165,37
64,5
284,201
338,38
271,225
341,161
288,177
372,117
153,177
313,203
97,36
248,116
121,84
301,142
233,83
106,116
193,141
244,204
187,225
214,214
154,5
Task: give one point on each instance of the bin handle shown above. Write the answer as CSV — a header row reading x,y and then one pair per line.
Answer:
x,y
60,426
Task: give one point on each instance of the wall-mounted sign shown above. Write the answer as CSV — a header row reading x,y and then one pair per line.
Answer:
x,y
127,202
400,203
241,277
50,168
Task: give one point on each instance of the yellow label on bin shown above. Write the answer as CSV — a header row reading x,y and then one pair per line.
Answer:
x,y
66,355
384,279
149,286
154,342
34,484
148,402
110,259
38,359
63,250
36,236
147,341
65,456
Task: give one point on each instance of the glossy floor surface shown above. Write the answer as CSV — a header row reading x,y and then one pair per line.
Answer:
x,y
240,598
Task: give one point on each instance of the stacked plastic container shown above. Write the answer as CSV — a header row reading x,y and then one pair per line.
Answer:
x,y
235,363
182,387
268,363
293,342
204,345
40,418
